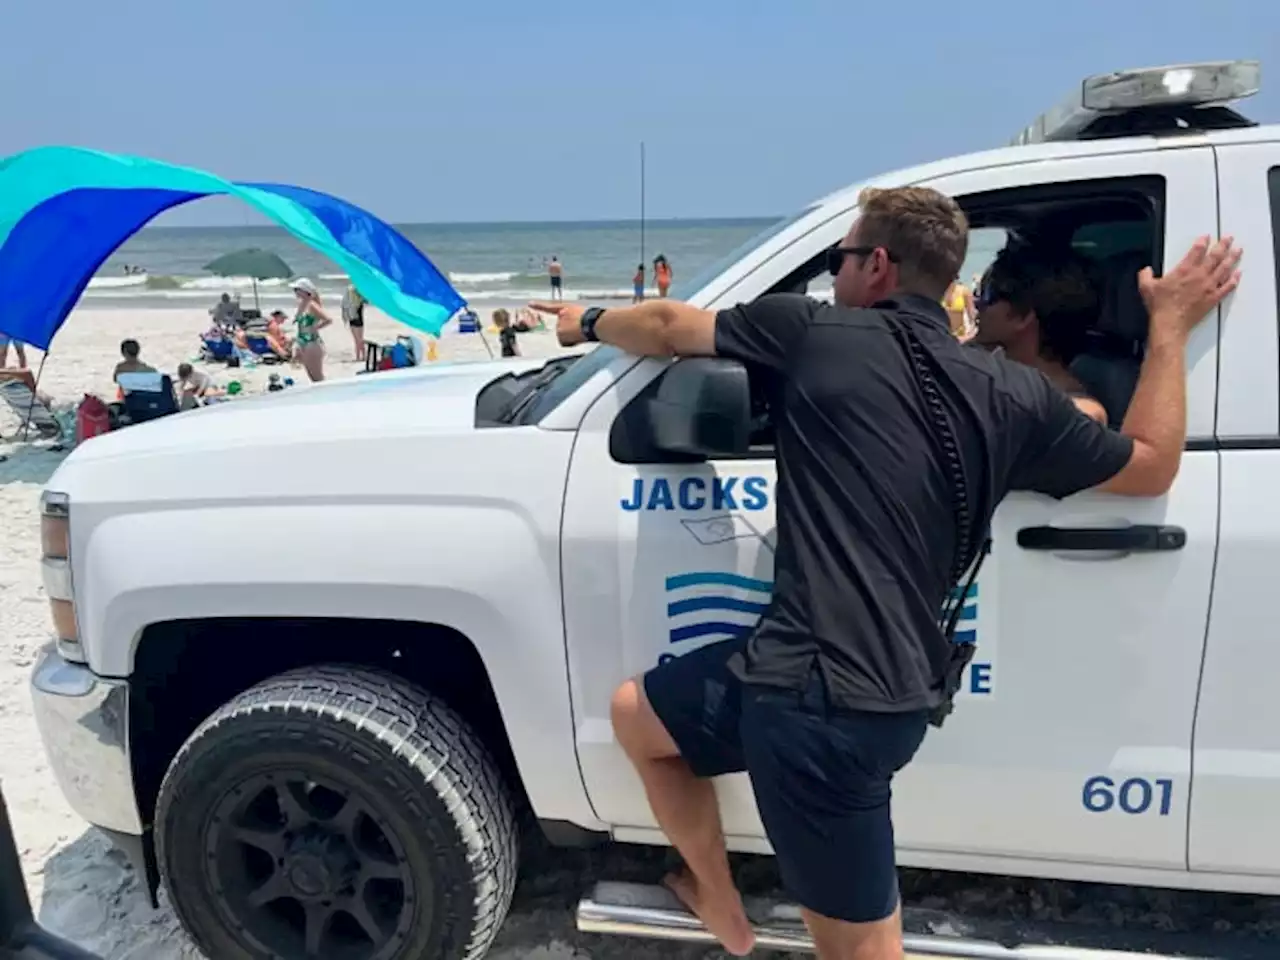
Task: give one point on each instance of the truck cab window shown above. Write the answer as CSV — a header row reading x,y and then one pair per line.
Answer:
x,y
1117,227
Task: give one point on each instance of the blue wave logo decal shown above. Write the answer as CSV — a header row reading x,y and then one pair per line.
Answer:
x,y
714,604
966,626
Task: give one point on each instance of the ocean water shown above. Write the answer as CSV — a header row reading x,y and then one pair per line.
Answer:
x,y
497,262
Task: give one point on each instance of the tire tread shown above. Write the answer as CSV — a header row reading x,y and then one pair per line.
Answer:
x,y
421,730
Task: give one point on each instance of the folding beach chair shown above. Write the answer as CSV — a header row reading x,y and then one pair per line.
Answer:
x,y
218,349
260,347
24,403
147,396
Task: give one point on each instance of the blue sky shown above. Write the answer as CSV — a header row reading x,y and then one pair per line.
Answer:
x,y
505,110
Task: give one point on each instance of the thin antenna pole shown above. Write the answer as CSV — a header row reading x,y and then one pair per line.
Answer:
x,y
642,260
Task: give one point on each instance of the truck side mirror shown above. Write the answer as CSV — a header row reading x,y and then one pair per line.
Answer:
x,y
702,408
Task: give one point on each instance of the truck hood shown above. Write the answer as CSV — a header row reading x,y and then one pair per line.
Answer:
x,y
403,403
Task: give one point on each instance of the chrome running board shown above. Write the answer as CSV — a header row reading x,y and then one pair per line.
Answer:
x,y
650,912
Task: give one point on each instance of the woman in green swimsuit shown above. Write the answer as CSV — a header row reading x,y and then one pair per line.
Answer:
x,y
310,320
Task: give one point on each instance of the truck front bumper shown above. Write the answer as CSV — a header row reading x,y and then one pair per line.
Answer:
x,y
84,723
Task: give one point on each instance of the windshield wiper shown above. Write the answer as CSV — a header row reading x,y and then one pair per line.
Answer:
x,y
530,391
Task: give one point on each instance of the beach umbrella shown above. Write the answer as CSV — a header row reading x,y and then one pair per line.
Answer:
x,y
253,262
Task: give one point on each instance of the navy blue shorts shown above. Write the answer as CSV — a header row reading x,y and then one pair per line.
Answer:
x,y
821,775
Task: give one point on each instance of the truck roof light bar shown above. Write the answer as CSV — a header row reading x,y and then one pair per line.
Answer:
x,y
1177,98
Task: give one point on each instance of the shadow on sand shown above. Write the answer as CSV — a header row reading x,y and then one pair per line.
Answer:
x,y
29,462
95,899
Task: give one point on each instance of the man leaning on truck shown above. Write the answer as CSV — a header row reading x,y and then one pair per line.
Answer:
x,y
831,693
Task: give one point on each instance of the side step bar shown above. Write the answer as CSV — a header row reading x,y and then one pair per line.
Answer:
x,y
650,912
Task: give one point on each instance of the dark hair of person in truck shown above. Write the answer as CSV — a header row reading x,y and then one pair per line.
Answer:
x,y
1038,303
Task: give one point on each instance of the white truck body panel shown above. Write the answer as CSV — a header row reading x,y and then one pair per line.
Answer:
x,y
1237,733
251,509
1117,723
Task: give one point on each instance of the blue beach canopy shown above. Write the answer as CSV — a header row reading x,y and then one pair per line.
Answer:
x,y
64,210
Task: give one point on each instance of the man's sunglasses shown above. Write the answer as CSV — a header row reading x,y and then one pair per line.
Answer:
x,y
836,255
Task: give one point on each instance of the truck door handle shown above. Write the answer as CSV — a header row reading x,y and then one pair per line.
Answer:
x,y
1142,538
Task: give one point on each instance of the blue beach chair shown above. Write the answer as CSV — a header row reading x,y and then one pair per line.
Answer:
x,y
218,349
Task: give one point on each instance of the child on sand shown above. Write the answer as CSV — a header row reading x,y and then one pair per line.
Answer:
x,y
506,334
193,387
637,285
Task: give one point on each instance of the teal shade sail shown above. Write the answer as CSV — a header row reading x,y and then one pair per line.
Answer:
x,y
64,210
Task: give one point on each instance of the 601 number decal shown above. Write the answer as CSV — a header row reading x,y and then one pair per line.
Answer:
x,y
1132,796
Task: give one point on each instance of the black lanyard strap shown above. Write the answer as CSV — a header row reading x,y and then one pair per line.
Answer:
x,y
969,551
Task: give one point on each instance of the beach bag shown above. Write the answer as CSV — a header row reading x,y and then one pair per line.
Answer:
x,y
92,418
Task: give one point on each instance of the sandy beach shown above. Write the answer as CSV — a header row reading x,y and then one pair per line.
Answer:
x,y
85,891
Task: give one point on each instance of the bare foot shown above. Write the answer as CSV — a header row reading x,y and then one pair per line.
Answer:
x,y
723,916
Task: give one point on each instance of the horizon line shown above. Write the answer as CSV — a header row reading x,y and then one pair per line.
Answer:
x,y
488,223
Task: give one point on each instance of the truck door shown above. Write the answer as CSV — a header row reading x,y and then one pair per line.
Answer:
x,y
1073,740
1237,733
1072,737
659,558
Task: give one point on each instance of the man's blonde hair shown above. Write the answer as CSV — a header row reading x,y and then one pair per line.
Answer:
x,y
925,230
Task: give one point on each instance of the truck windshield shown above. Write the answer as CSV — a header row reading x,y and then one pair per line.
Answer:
x,y
688,288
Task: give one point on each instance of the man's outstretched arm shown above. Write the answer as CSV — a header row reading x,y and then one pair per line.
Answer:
x,y
763,333
655,328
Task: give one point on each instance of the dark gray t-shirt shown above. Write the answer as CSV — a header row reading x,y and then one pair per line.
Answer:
x,y
866,524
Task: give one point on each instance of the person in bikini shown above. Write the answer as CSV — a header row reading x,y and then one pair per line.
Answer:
x,y
958,302
310,320
1037,303
662,274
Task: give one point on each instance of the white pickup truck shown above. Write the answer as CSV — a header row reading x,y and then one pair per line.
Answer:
x,y
321,655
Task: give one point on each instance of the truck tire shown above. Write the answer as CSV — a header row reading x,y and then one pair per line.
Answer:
x,y
337,811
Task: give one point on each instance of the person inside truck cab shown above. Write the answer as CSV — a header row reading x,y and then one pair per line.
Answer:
x,y
1038,302
895,444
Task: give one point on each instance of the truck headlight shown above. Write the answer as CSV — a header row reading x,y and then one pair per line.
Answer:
x,y
55,567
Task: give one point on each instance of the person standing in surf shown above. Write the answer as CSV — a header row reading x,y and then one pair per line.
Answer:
x,y
555,270
662,274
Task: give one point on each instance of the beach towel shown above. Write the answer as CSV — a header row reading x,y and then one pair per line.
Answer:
x,y
148,381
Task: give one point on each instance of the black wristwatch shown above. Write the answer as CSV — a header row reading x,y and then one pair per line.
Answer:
x,y
589,320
